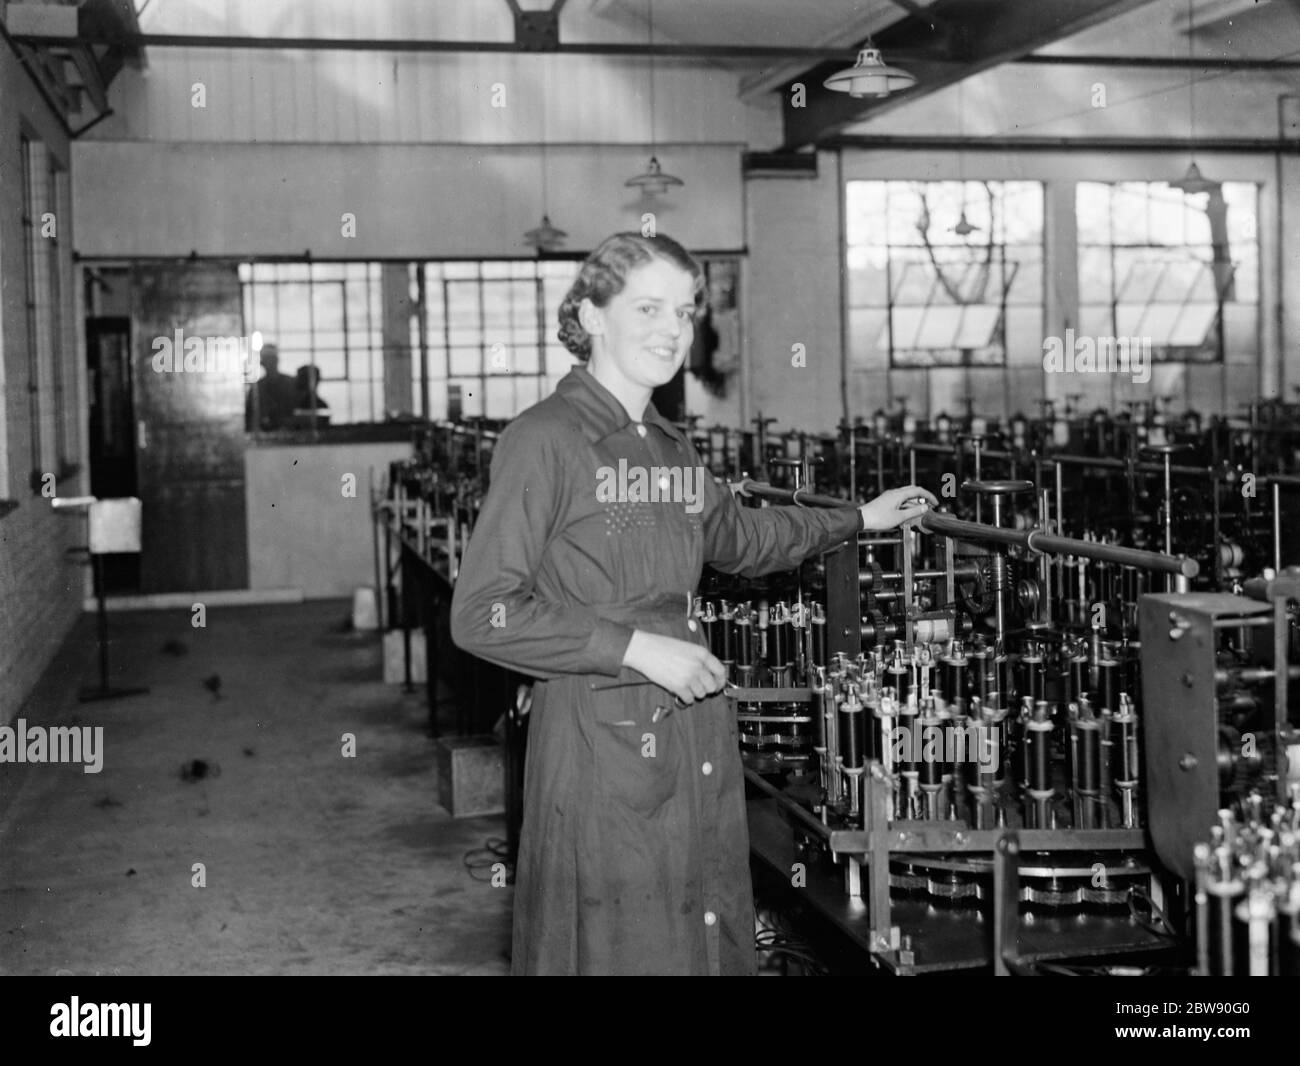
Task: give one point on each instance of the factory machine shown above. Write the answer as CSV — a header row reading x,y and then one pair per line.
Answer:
x,y
423,514
1051,725
979,742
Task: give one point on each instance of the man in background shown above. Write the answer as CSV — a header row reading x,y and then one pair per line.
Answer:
x,y
271,401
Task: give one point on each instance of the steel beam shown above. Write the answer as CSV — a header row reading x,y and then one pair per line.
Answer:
x,y
944,45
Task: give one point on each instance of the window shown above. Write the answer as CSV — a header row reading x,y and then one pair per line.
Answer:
x,y
489,335
64,416
30,155
323,315
1177,269
944,273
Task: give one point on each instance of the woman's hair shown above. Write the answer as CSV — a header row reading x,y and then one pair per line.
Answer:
x,y
605,272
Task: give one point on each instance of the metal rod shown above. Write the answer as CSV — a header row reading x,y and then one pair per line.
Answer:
x,y
1037,540
765,491
1032,539
1112,553
1277,528
786,803
1106,463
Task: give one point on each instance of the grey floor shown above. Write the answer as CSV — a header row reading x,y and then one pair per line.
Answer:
x,y
314,863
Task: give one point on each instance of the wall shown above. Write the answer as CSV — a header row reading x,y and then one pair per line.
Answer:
x,y
287,142
793,296
410,201
302,531
40,589
351,97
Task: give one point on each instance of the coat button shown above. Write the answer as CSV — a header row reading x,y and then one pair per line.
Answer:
x,y
690,624
707,769
710,918
640,430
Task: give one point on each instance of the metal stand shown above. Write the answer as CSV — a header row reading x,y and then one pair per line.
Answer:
x,y
104,691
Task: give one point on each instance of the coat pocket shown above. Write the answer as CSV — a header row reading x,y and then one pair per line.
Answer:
x,y
636,757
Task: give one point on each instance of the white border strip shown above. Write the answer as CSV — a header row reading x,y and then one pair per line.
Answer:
x,y
186,600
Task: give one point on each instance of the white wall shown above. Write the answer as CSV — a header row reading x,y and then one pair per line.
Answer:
x,y
793,296
342,96
410,201
302,531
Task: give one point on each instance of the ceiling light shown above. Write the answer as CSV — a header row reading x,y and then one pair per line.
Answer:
x,y
1194,182
545,236
654,181
870,76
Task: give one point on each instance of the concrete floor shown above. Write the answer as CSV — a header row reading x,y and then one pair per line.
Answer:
x,y
315,863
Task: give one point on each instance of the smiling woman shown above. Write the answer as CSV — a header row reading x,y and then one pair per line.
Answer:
x,y
634,850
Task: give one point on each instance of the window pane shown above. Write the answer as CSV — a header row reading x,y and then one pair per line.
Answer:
x,y
466,361
471,396
524,359
335,395
294,305
500,398
330,362
437,399
1180,262
527,391
868,341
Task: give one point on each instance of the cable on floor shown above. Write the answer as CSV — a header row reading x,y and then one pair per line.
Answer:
x,y
494,851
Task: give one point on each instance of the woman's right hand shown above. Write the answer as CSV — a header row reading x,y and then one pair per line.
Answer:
x,y
688,670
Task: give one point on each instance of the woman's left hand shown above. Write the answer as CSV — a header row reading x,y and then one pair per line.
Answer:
x,y
893,508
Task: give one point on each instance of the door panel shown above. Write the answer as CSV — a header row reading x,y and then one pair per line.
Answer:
x,y
112,432
190,431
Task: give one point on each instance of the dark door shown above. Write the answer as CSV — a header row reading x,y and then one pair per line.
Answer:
x,y
189,430
112,431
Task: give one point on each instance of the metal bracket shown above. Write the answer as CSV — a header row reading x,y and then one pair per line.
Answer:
x,y
1006,903
537,31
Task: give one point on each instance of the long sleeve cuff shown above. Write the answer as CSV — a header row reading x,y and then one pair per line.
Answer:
x,y
608,645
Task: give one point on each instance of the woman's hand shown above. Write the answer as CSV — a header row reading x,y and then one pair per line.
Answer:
x,y
893,508
685,669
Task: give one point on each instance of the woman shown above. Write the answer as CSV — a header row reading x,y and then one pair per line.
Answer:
x,y
634,852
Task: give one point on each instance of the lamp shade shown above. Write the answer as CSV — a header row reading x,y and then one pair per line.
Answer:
x,y
653,180
1193,181
544,236
870,76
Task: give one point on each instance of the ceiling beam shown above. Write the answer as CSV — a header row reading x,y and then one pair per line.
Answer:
x,y
872,21
944,45
840,55
1051,59
388,44
865,142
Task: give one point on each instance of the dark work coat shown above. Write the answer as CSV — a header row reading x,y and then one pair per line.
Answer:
x,y
634,852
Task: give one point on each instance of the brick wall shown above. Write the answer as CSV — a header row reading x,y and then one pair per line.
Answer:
x,y
41,590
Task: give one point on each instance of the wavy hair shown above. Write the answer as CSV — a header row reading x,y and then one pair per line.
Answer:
x,y
605,272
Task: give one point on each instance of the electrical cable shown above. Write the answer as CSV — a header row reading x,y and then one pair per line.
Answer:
x,y
493,852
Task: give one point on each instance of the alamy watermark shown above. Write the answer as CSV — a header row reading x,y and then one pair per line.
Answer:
x,y
655,484
23,743
75,1018
976,744
1098,355
179,354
